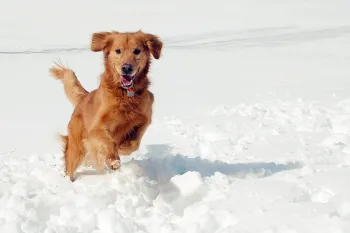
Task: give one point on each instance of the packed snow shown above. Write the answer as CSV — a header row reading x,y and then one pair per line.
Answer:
x,y
251,127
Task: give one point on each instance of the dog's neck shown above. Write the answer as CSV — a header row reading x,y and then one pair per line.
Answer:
x,y
110,79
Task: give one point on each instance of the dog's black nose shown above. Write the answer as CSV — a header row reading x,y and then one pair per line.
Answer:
x,y
127,69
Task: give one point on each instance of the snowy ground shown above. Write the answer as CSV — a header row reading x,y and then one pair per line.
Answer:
x,y
251,130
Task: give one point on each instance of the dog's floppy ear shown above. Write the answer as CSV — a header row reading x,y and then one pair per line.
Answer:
x,y
100,41
154,45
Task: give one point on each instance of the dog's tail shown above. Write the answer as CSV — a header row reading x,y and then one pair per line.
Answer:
x,y
64,141
74,90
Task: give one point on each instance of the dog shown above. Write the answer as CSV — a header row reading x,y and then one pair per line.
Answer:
x,y
111,120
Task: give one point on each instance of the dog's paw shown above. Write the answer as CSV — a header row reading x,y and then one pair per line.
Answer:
x,y
128,147
134,144
131,144
113,164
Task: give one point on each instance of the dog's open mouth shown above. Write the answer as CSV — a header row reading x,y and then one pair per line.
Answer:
x,y
127,81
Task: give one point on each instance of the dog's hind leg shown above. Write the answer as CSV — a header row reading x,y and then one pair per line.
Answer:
x,y
74,152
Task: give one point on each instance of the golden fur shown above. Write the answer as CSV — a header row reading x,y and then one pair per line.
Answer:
x,y
107,122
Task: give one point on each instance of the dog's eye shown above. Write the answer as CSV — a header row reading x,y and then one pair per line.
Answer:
x,y
137,51
118,51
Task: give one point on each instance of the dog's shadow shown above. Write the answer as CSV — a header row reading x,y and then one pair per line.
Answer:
x,y
162,164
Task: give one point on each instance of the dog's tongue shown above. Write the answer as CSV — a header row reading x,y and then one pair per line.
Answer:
x,y
126,80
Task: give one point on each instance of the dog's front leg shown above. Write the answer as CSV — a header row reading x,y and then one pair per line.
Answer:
x,y
133,144
102,145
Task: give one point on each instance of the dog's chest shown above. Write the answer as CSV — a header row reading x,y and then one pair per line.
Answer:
x,y
124,119
127,110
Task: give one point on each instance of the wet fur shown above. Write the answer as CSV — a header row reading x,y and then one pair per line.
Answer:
x,y
106,123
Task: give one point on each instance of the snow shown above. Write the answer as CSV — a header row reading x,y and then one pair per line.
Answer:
x,y
251,128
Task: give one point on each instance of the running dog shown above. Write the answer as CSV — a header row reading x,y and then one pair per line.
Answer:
x,y
111,120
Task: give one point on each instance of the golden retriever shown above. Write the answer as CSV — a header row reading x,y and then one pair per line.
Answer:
x,y
111,120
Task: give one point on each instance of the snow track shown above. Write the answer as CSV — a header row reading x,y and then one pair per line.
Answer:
x,y
235,39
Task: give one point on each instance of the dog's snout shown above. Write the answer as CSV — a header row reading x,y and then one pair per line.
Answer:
x,y
127,69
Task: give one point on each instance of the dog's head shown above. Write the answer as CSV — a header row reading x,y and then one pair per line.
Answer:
x,y
127,55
